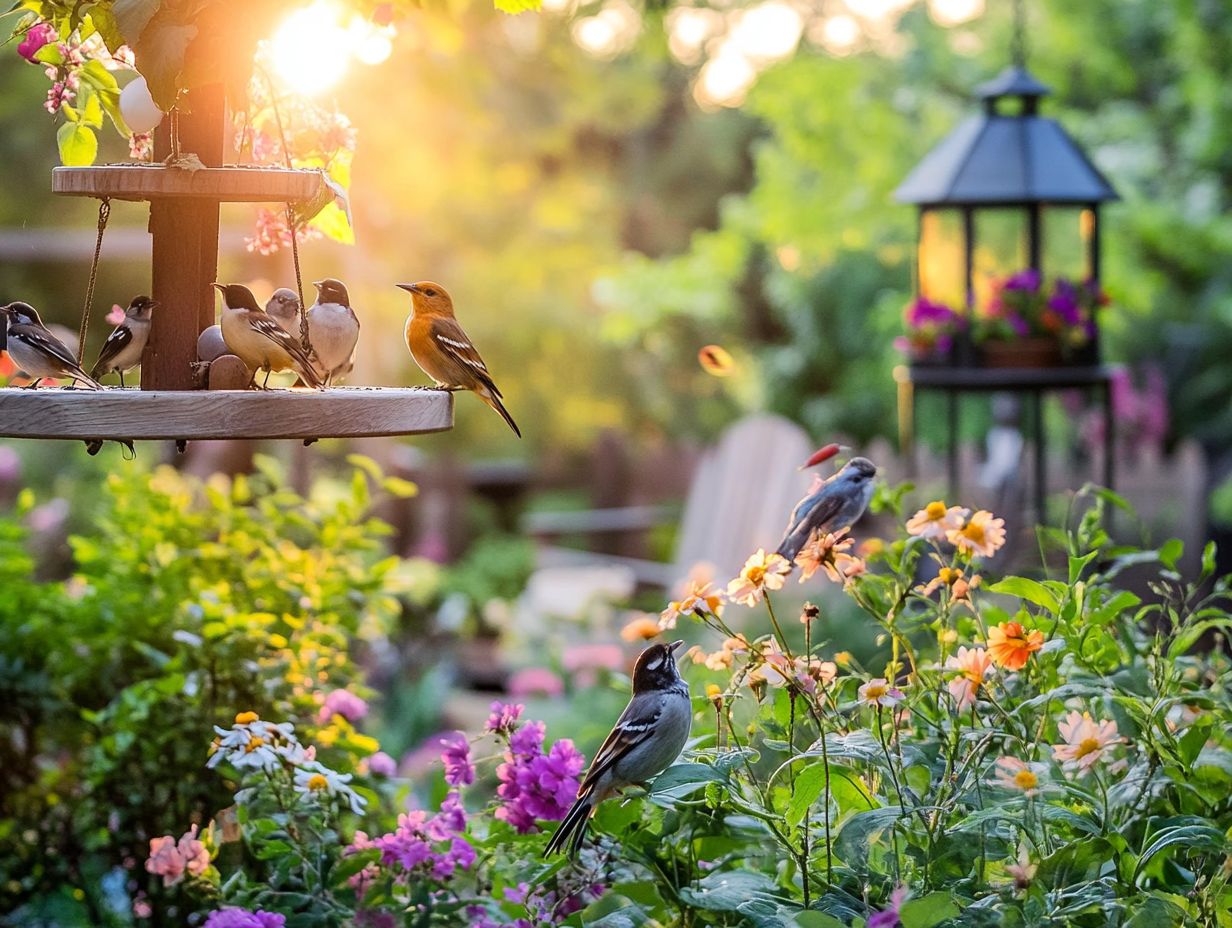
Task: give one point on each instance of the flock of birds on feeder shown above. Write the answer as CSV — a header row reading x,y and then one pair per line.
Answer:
x,y
269,340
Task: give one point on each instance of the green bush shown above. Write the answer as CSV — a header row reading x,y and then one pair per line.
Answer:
x,y
189,602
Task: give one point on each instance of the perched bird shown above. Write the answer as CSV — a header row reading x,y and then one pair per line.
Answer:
x,y
444,351
333,329
284,306
253,336
122,350
648,736
36,351
831,505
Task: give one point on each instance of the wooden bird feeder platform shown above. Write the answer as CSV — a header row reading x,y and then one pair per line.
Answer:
x,y
171,403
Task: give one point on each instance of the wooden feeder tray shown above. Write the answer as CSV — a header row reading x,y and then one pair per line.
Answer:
x,y
154,181
174,415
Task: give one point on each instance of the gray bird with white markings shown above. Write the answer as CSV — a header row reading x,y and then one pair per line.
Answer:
x,y
36,351
834,505
124,346
333,329
648,736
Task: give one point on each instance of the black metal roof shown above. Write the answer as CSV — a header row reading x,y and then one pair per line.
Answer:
x,y
996,158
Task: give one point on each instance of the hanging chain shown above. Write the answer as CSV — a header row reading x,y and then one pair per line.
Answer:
x,y
299,283
104,213
1018,43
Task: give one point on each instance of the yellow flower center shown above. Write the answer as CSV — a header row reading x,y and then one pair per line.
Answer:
x,y
935,511
253,743
1025,779
1087,746
245,718
974,532
842,658
875,691
317,782
712,690
755,575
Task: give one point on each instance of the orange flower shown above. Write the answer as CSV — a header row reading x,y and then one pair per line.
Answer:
x,y
1011,645
1019,776
828,552
981,534
697,600
973,666
642,628
951,577
936,521
761,572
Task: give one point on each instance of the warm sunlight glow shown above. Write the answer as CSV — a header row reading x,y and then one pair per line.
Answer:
x,y
839,35
609,33
688,30
371,44
954,12
311,49
878,9
769,32
725,79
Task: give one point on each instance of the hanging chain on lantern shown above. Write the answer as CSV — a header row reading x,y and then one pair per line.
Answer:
x,y
104,213
1018,43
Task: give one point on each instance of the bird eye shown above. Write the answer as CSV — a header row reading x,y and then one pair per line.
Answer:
x,y
430,292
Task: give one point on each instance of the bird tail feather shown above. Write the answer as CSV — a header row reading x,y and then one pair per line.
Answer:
x,y
490,397
572,829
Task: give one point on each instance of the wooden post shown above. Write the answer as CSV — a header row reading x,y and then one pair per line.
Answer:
x,y
185,248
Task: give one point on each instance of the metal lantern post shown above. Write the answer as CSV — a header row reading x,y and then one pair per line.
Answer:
x,y
1008,189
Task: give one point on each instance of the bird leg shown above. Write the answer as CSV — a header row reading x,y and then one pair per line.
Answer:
x,y
121,379
33,384
265,384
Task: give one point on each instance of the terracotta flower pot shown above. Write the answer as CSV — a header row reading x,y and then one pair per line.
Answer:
x,y
1021,352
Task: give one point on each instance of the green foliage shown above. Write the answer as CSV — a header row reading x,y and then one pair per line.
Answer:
x,y
190,602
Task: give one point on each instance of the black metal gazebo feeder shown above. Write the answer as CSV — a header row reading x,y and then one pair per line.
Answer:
x,y
1008,189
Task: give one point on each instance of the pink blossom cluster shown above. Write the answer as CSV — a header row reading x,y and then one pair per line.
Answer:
x,y
456,756
272,232
171,859
343,703
535,785
426,846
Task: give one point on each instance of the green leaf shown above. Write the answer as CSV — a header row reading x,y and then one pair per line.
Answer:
x,y
809,784
78,144
818,920
683,779
160,57
132,16
1208,559
108,91
351,864
1029,590
727,890
928,911
859,831
92,113
1170,552
1194,835
1078,564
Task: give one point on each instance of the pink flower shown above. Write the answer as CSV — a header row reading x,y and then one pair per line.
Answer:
x,y
878,692
973,665
382,764
1086,741
196,857
535,681
592,657
761,572
36,37
936,520
1018,776
165,860
141,146
116,316
343,703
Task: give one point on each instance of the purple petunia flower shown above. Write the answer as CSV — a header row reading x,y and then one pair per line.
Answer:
x,y
1065,303
504,717
459,771
535,786
1027,281
889,916
382,765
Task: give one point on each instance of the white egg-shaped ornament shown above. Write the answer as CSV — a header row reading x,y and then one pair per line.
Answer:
x,y
210,344
138,108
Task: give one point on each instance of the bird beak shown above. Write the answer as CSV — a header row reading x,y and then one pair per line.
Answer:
x,y
409,288
153,304
671,648
219,287
824,453
318,284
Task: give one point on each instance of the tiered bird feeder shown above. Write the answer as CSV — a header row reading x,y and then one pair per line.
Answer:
x,y
173,401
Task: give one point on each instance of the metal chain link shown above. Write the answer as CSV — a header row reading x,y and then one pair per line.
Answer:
x,y
104,213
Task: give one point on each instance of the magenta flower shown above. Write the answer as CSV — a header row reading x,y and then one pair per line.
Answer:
x,y
432,847
535,786
459,771
343,703
242,918
37,36
889,916
504,718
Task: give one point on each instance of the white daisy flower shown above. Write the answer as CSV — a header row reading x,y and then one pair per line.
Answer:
x,y
315,780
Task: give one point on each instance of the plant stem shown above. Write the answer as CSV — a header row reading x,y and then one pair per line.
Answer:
x,y
777,630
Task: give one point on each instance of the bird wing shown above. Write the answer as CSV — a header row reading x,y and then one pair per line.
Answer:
x,y
38,337
456,346
810,512
266,325
635,725
116,342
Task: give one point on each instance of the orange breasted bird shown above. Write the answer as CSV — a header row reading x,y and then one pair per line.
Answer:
x,y
444,351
